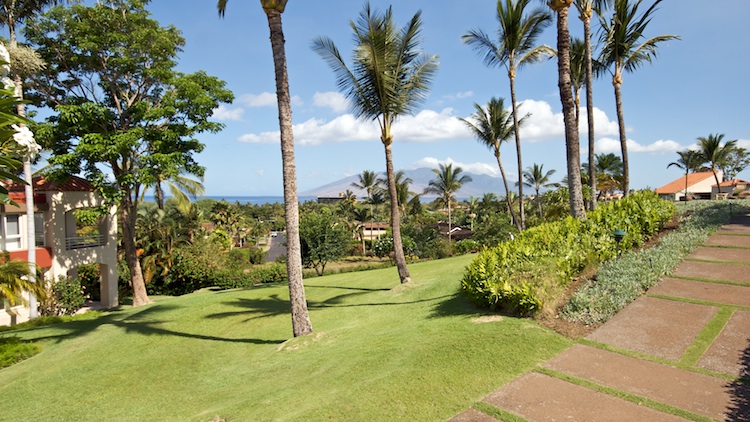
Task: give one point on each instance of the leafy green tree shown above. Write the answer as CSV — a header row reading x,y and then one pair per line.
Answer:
x,y
324,239
516,47
737,160
714,153
491,126
572,144
139,114
536,177
689,161
623,51
390,78
447,182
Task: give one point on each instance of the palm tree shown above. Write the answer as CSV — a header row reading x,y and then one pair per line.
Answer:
x,y
15,280
301,324
608,172
577,72
367,182
714,153
181,189
535,177
402,189
572,144
516,47
689,161
623,51
390,78
448,182
492,126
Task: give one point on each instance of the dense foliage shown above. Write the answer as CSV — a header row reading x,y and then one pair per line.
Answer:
x,y
64,297
525,275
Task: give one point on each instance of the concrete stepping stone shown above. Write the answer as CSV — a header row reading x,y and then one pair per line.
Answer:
x,y
472,415
713,271
539,397
701,290
730,352
721,254
656,327
696,393
728,240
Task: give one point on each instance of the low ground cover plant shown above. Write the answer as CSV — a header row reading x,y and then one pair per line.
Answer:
x,y
621,281
527,275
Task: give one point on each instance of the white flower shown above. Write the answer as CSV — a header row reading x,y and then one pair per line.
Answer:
x,y
5,57
25,138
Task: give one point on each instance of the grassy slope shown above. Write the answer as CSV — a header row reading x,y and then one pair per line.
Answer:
x,y
379,352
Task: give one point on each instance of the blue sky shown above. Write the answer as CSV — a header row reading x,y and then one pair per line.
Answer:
x,y
696,87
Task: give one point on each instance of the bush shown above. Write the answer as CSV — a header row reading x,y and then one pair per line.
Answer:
x,y
91,281
263,274
526,275
466,246
13,350
255,255
64,297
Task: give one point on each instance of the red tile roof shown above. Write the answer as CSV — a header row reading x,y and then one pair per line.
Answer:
x,y
72,184
733,182
679,184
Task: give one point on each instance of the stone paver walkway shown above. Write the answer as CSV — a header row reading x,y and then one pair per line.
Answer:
x,y
683,348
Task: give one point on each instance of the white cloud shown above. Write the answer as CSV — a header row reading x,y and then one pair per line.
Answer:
x,y
609,145
459,95
543,123
476,168
743,143
224,114
333,100
264,99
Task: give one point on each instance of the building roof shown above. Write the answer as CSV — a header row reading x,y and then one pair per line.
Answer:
x,y
679,184
733,182
41,184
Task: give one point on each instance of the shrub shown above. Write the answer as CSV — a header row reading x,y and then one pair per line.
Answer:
x,y
526,275
262,274
13,350
64,297
466,246
255,255
91,280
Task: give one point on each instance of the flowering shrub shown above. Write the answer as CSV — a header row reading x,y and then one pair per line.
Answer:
x,y
64,297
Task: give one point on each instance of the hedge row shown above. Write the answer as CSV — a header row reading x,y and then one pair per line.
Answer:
x,y
524,275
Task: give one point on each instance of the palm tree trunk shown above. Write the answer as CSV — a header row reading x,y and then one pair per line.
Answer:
x,y
159,193
128,207
590,103
450,225
716,177
301,324
398,247
516,129
507,193
539,203
572,146
687,172
617,81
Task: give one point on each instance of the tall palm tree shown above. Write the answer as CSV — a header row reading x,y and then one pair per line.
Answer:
x,y
585,13
15,12
572,144
390,78
689,160
402,189
368,181
301,324
577,72
536,177
491,126
608,172
714,153
181,188
447,182
623,51
516,47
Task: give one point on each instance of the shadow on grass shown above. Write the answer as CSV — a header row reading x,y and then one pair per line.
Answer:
x,y
142,322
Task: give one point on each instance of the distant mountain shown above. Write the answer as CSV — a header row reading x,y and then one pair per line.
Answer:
x,y
479,185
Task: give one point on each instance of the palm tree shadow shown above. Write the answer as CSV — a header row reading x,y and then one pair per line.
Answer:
x,y
454,305
739,390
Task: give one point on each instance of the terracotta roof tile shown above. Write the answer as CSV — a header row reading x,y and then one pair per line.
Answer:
x,y
72,184
679,184
733,182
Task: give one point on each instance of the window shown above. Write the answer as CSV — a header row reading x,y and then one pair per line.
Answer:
x,y
11,232
39,229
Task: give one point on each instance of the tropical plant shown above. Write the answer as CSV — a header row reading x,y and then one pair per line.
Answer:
x,y
367,181
577,72
689,161
447,182
623,51
572,144
390,78
536,177
14,281
180,186
491,126
516,47
324,239
714,153
273,9
736,161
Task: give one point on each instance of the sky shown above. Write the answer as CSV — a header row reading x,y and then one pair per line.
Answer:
x,y
696,87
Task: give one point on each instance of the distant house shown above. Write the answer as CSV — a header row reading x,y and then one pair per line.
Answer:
x,y
729,187
699,186
457,233
374,230
61,245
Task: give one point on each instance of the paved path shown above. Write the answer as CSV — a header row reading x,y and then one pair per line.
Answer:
x,y
681,352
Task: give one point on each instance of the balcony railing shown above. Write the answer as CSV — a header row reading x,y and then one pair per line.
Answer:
x,y
79,242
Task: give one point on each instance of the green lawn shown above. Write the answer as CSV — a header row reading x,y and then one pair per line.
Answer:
x,y
380,351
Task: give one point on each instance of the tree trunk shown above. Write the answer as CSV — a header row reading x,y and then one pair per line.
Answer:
x,y
398,246
507,192
159,193
572,146
450,224
539,204
716,177
128,209
590,103
516,129
301,324
617,81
